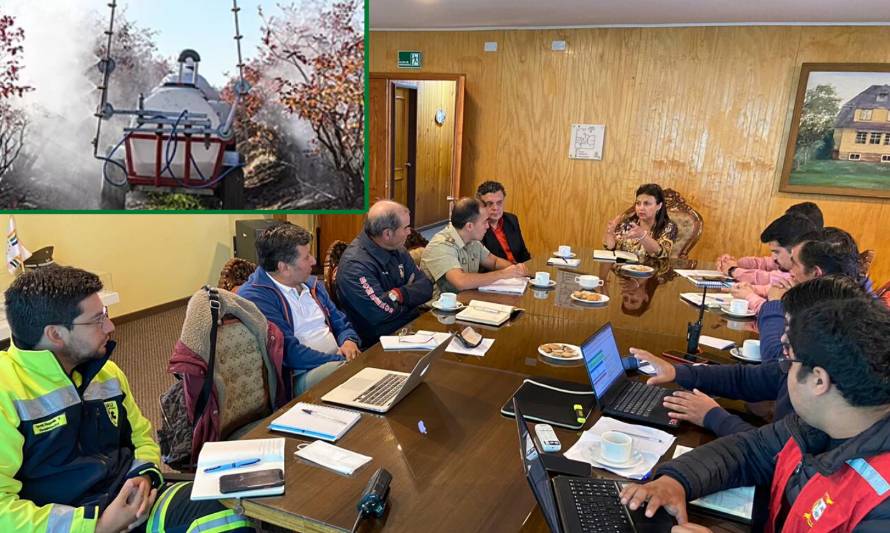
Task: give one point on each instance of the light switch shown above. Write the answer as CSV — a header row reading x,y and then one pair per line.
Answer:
x,y
558,46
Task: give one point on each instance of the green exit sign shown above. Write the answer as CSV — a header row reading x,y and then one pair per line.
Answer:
x,y
409,59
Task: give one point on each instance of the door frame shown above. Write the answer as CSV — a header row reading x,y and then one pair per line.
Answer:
x,y
459,95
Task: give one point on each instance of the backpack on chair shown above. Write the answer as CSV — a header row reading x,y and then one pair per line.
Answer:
x,y
226,337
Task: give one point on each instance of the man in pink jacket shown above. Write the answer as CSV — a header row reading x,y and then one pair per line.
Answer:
x,y
755,275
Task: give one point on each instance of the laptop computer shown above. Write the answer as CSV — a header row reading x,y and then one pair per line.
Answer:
x,y
377,389
617,395
574,504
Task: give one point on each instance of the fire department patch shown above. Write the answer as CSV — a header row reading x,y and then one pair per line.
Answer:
x,y
111,409
818,509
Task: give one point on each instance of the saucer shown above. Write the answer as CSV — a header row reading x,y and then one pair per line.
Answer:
x,y
575,357
571,255
635,458
737,354
550,284
746,314
603,301
438,306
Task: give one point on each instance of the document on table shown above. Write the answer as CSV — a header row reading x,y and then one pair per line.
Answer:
x,y
738,502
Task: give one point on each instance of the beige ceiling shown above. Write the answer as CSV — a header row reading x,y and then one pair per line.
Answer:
x,y
470,14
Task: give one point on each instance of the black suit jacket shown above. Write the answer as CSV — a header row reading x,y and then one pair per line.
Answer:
x,y
514,240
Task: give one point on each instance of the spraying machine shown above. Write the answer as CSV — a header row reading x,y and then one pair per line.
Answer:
x,y
180,137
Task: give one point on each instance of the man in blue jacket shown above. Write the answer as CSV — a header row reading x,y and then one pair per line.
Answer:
x,y
318,337
378,284
750,383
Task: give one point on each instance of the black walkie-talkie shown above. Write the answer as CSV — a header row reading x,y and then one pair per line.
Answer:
x,y
373,500
693,329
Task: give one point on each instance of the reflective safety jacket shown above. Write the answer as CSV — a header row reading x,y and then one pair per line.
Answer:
x,y
67,444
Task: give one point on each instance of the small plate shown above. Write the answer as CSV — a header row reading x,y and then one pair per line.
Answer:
x,y
635,458
550,284
747,314
576,357
572,255
603,301
438,306
736,353
630,270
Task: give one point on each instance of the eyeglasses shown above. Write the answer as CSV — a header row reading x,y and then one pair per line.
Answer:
x,y
786,360
98,321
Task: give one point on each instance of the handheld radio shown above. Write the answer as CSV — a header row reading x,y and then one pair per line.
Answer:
x,y
693,329
373,500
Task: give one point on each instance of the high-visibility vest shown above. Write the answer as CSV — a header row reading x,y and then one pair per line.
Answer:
x,y
829,504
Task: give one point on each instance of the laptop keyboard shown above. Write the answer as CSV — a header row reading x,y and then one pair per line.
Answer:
x,y
599,505
639,399
382,392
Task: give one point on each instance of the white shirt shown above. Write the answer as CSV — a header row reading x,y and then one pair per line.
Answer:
x,y
310,327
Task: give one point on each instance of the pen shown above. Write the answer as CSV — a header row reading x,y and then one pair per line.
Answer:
x,y
231,466
647,437
322,415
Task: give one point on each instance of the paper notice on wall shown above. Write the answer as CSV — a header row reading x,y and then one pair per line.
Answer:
x,y
587,141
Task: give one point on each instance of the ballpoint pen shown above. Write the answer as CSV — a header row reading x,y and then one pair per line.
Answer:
x,y
313,412
231,466
647,437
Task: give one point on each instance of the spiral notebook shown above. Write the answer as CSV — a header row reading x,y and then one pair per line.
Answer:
x,y
316,421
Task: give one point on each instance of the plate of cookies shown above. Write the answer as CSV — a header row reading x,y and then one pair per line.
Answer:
x,y
590,297
637,271
560,351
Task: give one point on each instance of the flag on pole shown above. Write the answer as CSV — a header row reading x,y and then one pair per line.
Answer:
x,y
16,253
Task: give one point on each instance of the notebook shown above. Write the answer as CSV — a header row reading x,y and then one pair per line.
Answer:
x,y
206,485
711,300
316,421
488,313
506,286
422,340
552,401
736,504
563,261
707,278
619,256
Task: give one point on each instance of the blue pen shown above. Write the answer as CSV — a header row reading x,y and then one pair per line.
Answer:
x,y
231,466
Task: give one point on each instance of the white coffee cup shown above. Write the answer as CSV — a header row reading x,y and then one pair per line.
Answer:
x,y
564,250
448,300
616,447
588,281
542,278
738,306
751,349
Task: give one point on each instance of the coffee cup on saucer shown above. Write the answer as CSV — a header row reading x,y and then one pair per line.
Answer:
x,y
751,349
616,447
588,281
447,300
564,250
738,306
542,279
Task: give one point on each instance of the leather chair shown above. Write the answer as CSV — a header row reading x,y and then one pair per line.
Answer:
x,y
331,262
234,273
688,221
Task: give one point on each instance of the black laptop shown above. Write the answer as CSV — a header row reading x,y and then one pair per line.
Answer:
x,y
617,395
580,504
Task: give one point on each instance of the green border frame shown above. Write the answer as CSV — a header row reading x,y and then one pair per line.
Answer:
x,y
367,20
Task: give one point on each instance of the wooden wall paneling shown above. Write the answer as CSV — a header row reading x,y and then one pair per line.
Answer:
x,y
703,110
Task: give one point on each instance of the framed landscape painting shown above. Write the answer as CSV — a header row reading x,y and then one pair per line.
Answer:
x,y
839,141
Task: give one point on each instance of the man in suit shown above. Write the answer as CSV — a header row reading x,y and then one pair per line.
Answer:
x,y
504,237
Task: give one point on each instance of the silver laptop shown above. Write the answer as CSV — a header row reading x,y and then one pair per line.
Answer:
x,y
377,389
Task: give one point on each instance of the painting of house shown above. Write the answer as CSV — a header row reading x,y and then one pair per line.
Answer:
x,y
862,128
839,141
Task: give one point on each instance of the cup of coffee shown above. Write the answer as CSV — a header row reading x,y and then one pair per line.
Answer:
x,y
738,306
564,250
588,281
542,278
447,300
751,349
616,447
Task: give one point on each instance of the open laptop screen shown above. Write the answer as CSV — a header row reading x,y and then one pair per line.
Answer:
x,y
537,476
602,360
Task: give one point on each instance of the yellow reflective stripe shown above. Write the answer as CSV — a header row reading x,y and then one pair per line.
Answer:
x,y
225,520
156,519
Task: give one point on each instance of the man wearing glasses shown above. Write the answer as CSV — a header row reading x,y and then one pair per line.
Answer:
x,y
828,465
378,283
76,454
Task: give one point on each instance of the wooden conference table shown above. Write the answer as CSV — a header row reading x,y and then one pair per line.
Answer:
x,y
454,458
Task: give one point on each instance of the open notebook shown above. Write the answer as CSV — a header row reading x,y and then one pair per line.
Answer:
x,y
619,256
488,313
269,451
316,421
